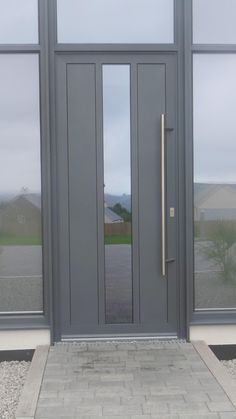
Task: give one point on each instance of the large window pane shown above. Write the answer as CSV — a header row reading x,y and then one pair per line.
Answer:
x,y
215,180
20,185
18,21
117,190
214,21
115,21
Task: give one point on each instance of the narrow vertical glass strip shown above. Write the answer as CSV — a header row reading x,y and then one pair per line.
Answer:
x,y
117,194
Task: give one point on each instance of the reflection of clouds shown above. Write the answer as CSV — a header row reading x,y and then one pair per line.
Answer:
x,y
116,107
214,119
19,123
18,21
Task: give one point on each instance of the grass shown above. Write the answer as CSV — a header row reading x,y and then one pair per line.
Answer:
x,y
118,239
8,240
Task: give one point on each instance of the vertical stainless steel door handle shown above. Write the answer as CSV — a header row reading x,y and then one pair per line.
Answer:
x,y
163,198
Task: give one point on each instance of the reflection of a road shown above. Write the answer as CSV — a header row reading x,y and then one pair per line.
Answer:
x,y
118,283
21,281
211,290
21,278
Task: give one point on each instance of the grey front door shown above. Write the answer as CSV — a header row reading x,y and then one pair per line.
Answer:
x,y
116,191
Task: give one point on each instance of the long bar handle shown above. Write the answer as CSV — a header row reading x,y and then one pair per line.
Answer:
x,y
163,198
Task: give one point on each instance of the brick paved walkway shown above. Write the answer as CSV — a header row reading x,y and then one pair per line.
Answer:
x,y
144,380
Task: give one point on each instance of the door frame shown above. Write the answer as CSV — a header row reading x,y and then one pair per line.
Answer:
x,y
121,58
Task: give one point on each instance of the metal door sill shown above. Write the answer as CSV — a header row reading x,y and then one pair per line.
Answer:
x,y
115,338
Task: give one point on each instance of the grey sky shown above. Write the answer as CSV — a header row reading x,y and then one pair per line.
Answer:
x,y
19,123
144,21
214,117
19,21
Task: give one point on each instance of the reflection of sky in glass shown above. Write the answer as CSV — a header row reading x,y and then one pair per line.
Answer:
x,y
19,123
111,21
214,117
214,21
18,21
116,126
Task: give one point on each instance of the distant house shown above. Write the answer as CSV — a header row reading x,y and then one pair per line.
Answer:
x,y
214,202
110,216
21,216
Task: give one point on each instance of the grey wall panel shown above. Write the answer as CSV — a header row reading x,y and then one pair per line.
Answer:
x,y
82,193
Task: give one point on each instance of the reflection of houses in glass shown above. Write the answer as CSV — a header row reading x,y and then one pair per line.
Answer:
x,y
214,201
110,216
21,216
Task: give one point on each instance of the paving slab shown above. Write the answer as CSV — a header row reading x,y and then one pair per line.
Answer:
x,y
132,380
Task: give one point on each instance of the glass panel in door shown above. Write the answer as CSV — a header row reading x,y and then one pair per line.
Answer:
x,y
117,194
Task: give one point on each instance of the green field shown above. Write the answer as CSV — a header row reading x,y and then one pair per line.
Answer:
x,y
8,240
118,239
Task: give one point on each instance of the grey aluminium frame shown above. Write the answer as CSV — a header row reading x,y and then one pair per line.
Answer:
x,y
38,321
196,317
176,48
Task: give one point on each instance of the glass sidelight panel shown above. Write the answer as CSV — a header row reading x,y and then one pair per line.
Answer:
x,y
214,103
117,194
115,21
21,285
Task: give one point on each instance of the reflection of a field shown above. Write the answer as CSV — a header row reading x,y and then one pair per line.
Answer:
x,y
211,290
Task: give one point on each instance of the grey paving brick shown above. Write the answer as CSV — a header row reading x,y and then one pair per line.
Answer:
x,y
164,416
55,412
89,410
50,402
197,397
133,400
122,410
155,407
166,398
188,407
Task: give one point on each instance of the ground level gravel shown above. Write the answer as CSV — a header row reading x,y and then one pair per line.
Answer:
x,y
12,378
231,366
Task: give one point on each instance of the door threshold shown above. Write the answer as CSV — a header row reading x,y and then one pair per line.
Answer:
x,y
120,338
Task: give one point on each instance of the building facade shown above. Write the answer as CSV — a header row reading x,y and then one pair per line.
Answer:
x,y
130,104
